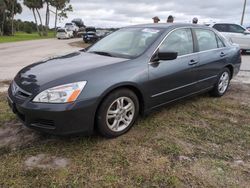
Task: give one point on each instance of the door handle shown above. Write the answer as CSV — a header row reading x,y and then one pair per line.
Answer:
x,y
193,62
222,54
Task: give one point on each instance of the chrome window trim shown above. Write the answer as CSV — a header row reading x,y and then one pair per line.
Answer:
x,y
167,36
210,29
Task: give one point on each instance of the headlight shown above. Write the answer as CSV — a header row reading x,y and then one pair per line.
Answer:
x,y
61,94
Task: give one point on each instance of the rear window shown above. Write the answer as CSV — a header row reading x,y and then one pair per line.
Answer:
x,y
60,30
220,42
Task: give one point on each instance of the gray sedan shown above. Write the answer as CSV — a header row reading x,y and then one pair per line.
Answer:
x,y
131,71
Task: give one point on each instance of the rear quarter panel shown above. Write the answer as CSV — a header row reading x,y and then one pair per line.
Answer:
x,y
234,58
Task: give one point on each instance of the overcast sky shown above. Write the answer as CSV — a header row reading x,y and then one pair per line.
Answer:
x,y
118,13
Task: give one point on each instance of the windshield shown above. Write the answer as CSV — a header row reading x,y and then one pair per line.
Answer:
x,y
60,30
88,29
126,43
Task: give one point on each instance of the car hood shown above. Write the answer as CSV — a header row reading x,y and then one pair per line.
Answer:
x,y
33,77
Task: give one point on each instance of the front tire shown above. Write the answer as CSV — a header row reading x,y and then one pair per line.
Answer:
x,y
222,84
117,113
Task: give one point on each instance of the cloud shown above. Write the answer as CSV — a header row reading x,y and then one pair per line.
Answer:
x,y
117,13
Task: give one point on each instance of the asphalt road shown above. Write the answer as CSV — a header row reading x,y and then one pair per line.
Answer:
x,y
15,56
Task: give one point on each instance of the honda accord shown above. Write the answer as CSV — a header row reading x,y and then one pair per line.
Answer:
x,y
130,72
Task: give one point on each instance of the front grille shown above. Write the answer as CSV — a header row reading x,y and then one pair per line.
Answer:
x,y
43,123
23,94
19,92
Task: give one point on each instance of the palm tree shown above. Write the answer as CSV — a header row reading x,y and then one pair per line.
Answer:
x,y
62,6
2,16
8,9
35,5
15,8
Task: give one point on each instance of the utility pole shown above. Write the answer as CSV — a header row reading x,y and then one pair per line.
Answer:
x,y
243,13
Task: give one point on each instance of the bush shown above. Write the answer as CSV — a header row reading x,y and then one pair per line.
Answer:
x,y
28,29
7,28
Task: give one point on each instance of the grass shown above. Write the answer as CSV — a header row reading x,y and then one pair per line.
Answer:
x,y
6,114
22,36
211,132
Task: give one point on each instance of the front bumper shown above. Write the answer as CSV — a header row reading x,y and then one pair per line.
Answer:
x,y
56,119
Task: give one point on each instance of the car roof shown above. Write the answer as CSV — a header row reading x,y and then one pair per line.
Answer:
x,y
167,25
225,23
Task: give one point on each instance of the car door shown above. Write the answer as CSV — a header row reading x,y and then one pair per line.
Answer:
x,y
212,57
173,79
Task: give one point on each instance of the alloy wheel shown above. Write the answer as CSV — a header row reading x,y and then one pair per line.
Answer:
x,y
120,114
223,82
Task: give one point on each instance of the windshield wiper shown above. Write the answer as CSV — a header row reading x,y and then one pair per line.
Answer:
x,y
102,53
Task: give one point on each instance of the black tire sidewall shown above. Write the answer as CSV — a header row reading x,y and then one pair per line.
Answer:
x,y
102,112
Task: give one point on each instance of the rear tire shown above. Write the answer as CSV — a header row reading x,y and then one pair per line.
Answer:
x,y
117,113
222,83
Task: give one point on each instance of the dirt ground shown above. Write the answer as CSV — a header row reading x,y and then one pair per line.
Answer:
x,y
79,44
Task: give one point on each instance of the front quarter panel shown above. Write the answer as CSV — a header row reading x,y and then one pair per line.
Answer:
x,y
103,80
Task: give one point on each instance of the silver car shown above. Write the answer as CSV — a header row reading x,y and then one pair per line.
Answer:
x,y
235,33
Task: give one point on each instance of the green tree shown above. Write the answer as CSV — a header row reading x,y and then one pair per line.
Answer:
x,y
47,15
3,8
8,9
16,8
62,7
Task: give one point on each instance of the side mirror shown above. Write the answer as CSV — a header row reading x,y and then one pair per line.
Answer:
x,y
164,56
246,32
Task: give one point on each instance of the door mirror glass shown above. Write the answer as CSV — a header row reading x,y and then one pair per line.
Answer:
x,y
167,55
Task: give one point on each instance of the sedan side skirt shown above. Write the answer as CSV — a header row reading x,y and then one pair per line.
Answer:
x,y
181,87
177,99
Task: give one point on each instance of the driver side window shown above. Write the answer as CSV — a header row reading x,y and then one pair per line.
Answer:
x,y
236,29
180,41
